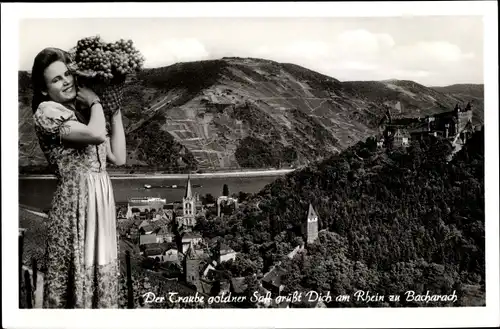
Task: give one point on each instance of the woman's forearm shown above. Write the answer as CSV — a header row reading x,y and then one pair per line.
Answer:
x,y
97,122
117,140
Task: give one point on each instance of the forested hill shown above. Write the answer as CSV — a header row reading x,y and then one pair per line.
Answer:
x,y
393,221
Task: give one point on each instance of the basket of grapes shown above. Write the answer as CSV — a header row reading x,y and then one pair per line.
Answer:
x,y
103,67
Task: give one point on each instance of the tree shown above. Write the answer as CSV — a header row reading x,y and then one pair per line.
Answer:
x,y
409,220
242,196
225,190
209,198
252,286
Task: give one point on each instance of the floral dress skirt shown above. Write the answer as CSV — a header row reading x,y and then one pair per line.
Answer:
x,y
82,269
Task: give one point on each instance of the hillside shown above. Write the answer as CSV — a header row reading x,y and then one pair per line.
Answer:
x,y
244,112
391,221
475,91
417,100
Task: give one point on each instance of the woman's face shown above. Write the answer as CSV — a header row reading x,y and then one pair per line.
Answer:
x,y
60,83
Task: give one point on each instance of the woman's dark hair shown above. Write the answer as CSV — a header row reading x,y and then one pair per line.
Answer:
x,y
43,60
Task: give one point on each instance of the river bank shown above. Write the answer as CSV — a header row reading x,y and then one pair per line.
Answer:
x,y
226,174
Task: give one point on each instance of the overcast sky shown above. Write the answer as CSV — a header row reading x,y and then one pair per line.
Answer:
x,y
432,50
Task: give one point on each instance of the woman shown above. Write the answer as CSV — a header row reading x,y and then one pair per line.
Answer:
x,y
82,250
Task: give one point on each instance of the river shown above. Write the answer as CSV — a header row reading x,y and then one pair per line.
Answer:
x,y
38,193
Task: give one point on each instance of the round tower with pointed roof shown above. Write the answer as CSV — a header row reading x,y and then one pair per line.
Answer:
x,y
312,225
192,265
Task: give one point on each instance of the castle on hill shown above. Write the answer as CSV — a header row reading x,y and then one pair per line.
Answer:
x,y
456,126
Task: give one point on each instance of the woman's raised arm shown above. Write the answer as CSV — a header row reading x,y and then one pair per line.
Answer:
x,y
116,145
92,133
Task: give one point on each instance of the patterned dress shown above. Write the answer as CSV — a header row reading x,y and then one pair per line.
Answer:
x,y
82,246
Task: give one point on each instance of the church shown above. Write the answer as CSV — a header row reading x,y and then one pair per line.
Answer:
x,y
191,208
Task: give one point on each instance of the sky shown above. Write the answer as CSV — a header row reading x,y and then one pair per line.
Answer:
x,y
432,50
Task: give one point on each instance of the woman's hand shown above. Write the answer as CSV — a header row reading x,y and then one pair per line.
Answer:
x,y
86,96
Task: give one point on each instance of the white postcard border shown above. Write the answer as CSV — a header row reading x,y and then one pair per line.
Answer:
x,y
309,318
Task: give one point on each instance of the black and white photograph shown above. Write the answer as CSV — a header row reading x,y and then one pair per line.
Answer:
x,y
314,164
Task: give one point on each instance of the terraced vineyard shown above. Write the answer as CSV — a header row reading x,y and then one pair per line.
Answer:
x,y
217,114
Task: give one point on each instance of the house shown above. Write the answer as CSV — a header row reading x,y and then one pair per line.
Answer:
x,y
143,223
147,239
171,256
143,205
153,253
381,142
132,231
401,138
226,201
171,270
226,253
295,251
210,267
148,229
200,210
164,235
165,214
214,275
121,213
169,206
225,287
133,212
272,280
238,285
185,247
190,236
215,284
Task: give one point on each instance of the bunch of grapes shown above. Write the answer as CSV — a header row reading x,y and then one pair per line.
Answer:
x,y
105,67
107,61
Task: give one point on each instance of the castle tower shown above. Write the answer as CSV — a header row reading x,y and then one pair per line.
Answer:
x,y
312,225
192,266
468,107
188,205
464,116
399,107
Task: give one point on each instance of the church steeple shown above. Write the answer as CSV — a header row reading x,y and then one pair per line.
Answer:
x,y
189,193
189,206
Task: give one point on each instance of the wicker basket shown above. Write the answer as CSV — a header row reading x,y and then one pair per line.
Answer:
x,y
109,92
111,96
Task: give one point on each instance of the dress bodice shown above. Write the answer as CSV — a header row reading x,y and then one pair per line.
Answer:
x,y
66,160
